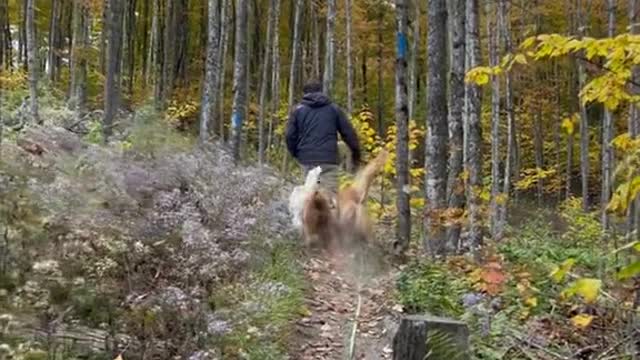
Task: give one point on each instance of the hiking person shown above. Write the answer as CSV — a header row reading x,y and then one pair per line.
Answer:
x,y
312,135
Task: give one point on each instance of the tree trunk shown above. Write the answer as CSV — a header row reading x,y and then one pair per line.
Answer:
x,y
413,65
316,42
239,77
607,136
209,87
380,95
473,127
170,38
584,125
275,72
114,54
512,143
32,59
103,35
295,55
494,37
403,230
54,29
225,16
330,49
22,37
6,44
145,42
347,9
538,142
455,185
436,154
79,46
634,117
156,52
264,83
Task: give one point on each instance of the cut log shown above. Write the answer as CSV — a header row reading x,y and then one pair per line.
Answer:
x,y
422,337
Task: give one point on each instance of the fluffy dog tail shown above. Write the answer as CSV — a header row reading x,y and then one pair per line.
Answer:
x,y
365,177
313,178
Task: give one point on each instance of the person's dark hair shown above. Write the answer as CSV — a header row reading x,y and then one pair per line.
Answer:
x,y
312,86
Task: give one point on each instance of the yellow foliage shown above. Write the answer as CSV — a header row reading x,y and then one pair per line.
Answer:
x,y
581,321
587,288
559,272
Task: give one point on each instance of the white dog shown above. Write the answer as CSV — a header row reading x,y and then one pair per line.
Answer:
x,y
300,194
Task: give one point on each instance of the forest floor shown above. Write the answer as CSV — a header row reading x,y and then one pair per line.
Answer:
x,y
356,286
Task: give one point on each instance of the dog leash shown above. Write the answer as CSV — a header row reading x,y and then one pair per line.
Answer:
x,y
354,329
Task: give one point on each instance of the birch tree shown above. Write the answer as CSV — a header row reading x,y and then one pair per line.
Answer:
x,y
32,59
209,88
413,64
607,135
403,230
436,154
347,10
473,127
455,185
330,49
225,12
239,77
494,37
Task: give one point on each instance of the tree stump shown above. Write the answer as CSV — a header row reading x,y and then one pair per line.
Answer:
x,y
439,338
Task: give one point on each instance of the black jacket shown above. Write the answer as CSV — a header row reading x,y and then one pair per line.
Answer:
x,y
312,131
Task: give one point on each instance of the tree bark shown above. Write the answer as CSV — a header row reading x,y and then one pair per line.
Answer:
x,y
169,62
225,16
584,124
538,142
53,58
295,55
114,54
156,53
347,9
330,50
316,41
455,184
634,116
79,46
6,44
473,127
512,142
264,83
32,59
607,137
209,87
239,77
494,37
413,65
275,73
436,149
403,229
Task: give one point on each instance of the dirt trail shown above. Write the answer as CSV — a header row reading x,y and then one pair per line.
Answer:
x,y
332,300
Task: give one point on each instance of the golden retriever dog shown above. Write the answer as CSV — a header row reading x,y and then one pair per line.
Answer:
x,y
354,222
319,222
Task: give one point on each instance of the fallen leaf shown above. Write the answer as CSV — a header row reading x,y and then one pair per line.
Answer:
x,y
581,321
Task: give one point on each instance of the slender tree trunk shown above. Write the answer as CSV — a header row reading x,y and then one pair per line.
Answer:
x,y
436,149
403,230
316,41
295,55
239,77
494,37
209,88
275,72
634,115
455,185
607,136
170,38
365,87
103,36
347,9
22,37
330,50
157,51
114,52
511,121
6,43
54,28
131,45
584,125
32,58
268,47
473,127
380,69
79,46
144,48
413,65
538,140
225,16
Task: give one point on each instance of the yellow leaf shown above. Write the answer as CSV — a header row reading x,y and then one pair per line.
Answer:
x,y
520,59
561,271
581,321
587,288
532,302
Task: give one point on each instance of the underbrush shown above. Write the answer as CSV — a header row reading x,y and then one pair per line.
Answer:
x,y
548,291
